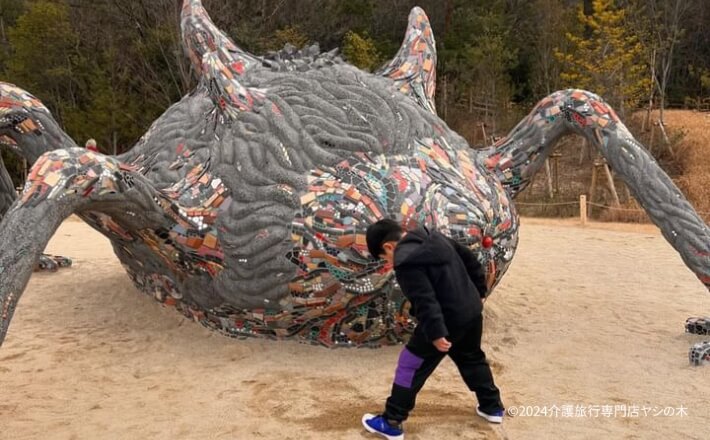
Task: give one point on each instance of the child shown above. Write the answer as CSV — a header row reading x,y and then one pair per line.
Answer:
x,y
446,286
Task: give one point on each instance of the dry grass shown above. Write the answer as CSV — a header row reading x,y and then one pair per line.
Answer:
x,y
628,212
688,161
694,156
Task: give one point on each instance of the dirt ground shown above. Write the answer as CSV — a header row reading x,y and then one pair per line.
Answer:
x,y
589,320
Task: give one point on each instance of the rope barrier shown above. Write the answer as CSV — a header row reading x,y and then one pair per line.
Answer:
x,y
546,204
630,209
615,208
598,205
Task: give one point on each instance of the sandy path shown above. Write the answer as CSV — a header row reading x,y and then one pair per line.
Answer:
x,y
587,316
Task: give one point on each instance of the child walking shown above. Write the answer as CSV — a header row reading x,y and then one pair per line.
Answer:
x,y
446,286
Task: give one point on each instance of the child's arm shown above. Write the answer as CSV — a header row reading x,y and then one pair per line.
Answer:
x,y
417,288
473,267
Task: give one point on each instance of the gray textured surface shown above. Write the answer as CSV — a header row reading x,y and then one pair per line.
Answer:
x,y
7,190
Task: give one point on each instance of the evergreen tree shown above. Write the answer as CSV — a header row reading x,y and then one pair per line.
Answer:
x,y
361,51
44,58
611,61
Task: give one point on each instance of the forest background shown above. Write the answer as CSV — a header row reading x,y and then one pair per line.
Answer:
x,y
108,68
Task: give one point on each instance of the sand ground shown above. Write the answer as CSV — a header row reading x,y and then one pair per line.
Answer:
x,y
587,317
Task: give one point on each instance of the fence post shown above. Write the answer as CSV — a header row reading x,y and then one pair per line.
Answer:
x,y
583,209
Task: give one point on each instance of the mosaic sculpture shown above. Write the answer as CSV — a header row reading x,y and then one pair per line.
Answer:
x,y
8,194
245,205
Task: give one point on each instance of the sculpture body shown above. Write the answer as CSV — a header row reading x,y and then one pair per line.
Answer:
x,y
245,205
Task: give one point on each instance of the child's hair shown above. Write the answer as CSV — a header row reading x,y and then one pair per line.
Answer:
x,y
380,233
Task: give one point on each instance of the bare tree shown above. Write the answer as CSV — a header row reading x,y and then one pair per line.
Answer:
x,y
668,31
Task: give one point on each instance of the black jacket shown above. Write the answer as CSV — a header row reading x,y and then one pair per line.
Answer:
x,y
442,279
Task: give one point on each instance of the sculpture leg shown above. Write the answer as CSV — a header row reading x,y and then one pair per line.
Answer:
x,y
698,326
522,153
63,182
7,190
52,263
700,353
8,196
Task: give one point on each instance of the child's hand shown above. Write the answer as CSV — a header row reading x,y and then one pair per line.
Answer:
x,y
442,344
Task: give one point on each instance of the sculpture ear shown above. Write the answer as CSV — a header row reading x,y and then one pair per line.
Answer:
x,y
413,69
217,60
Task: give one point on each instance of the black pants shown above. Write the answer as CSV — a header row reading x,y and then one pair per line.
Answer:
x,y
420,358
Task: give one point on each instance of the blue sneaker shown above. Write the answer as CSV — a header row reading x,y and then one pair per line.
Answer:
x,y
494,417
378,425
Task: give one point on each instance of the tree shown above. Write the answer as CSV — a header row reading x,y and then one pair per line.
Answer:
x,y
291,35
44,54
661,29
691,78
361,51
10,10
552,21
475,61
610,62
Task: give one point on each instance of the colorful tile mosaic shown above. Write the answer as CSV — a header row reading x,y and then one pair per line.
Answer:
x,y
699,353
16,107
218,59
517,157
413,69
